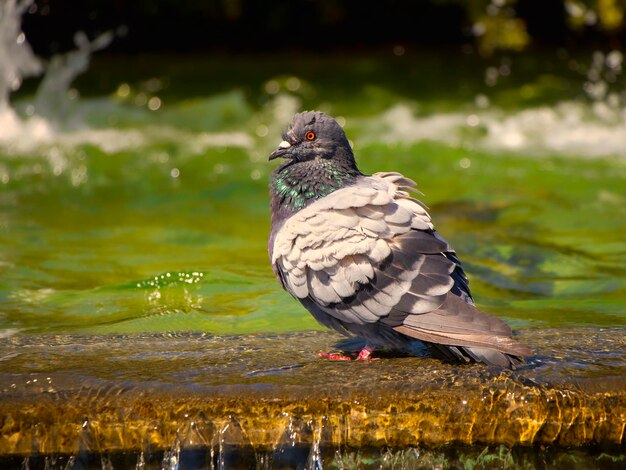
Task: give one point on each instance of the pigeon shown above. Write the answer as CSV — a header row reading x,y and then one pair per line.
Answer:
x,y
361,254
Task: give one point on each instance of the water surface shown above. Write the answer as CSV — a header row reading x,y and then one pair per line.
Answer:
x,y
146,209
134,269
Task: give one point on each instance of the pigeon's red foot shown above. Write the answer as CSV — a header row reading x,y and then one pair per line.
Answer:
x,y
334,357
365,355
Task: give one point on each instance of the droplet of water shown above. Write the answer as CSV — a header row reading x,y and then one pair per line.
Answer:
x,y
79,175
590,18
272,87
492,10
398,50
154,103
473,120
478,29
491,76
481,101
293,84
614,59
122,30
123,90
141,99
152,85
220,168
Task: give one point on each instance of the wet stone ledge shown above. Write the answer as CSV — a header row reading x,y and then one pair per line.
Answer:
x,y
107,394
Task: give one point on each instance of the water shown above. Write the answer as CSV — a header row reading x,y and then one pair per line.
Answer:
x,y
92,215
16,56
268,401
140,210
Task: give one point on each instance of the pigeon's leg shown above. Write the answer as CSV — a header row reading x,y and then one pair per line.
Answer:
x,y
366,354
334,357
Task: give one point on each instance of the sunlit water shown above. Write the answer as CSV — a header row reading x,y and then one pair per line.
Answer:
x,y
143,208
147,211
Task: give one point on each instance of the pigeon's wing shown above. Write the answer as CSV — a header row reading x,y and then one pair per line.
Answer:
x,y
329,251
368,253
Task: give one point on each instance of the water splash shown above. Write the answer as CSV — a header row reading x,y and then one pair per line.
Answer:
x,y
17,59
56,122
171,458
314,461
52,98
51,106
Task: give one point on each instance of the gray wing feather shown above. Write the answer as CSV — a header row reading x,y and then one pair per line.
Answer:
x,y
366,259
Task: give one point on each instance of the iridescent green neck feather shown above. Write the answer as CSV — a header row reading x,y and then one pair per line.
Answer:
x,y
296,185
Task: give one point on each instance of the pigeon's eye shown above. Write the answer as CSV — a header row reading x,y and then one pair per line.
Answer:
x,y
310,135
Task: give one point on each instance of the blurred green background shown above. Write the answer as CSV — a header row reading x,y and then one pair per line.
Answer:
x,y
134,198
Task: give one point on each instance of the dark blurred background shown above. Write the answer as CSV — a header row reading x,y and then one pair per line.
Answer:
x,y
234,26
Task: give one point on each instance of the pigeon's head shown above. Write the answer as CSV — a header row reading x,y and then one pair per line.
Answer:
x,y
311,135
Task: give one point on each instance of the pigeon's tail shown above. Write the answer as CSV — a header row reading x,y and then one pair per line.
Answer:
x,y
468,354
501,351
459,331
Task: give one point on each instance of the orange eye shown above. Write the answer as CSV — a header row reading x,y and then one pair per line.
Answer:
x,y
309,135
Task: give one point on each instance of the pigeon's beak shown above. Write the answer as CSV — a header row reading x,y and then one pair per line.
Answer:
x,y
281,151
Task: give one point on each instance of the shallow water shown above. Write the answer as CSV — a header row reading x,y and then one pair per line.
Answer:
x,y
268,401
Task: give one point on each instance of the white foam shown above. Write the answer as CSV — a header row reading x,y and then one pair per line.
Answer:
x,y
569,128
35,134
403,126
